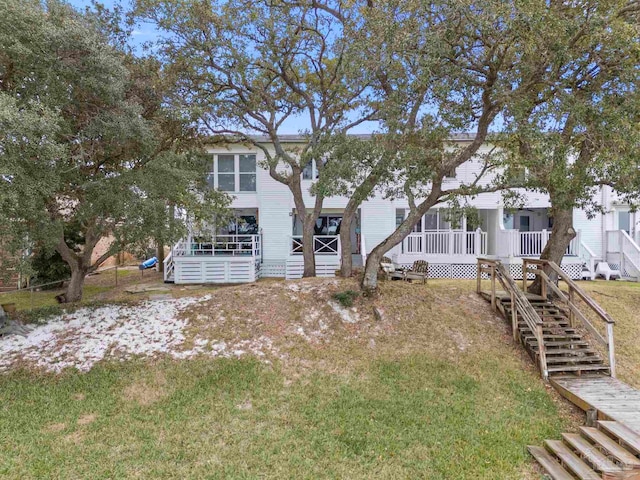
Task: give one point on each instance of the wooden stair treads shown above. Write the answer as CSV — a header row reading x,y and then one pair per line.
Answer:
x,y
590,453
611,447
628,438
578,368
550,464
571,461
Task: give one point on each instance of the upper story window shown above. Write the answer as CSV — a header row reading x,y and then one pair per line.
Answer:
x,y
234,172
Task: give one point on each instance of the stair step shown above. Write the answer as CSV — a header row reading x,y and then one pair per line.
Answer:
x,y
578,368
590,453
571,460
629,438
584,352
574,359
534,343
547,324
623,456
550,464
547,336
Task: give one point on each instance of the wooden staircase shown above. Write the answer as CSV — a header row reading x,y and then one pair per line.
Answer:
x,y
566,350
608,451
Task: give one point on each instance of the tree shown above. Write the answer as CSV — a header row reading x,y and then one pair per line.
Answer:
x,y
246,68
579,130
82,144
361,165
440,68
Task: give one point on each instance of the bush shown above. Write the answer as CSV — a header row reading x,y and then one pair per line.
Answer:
x,y
346,298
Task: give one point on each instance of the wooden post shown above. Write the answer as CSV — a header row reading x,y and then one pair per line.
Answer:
x,y
514,317
479,279
524,275
612,352
572,316
493,286
543,285
542,352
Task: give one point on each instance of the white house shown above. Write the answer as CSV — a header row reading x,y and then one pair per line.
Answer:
x,y
265,238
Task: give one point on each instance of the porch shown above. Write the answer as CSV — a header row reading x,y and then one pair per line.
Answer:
x,y
217,259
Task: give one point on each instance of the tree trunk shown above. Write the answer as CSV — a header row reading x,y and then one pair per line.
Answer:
x,y
561,235
370,279
346,260
76,284
308,255
160,255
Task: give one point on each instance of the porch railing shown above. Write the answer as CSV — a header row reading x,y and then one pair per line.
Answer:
x,y
448,242
220,245
620,242
322,245
531,244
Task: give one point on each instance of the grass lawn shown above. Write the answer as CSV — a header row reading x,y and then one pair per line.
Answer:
x,y
622,301
436,389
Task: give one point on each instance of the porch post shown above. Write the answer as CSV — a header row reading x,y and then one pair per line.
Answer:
x,y
544,240
478,239
450,242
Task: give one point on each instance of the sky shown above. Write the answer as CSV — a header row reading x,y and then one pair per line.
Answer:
x,y
147,32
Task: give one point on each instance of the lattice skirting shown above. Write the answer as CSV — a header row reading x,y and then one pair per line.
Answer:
x,y
573,270
275,269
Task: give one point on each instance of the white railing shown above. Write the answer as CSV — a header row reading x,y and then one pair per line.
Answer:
x,y
589,258
322,245
168,266
221,245
448,242
626,250
531,244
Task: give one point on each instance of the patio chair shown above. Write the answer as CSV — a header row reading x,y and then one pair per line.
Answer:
x,y
419,271
390,269
606,271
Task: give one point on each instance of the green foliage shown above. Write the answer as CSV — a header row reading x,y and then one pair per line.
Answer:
x,y
89,138
346,298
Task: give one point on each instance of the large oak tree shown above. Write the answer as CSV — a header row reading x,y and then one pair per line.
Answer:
x,y
86,140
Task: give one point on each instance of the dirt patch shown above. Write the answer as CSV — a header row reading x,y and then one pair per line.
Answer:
x,y
55,427
146,392
79,396
75,438
87,418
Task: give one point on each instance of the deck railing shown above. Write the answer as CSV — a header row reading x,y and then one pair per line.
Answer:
x,y
520,306
531,244
569,299
620,242
322,245
220,245
448,242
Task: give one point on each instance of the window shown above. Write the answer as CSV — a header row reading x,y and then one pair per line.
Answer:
x,y
624,221
226,173
307,171
234,173
247,173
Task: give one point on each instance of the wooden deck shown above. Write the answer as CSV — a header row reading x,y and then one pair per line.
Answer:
x,y
613,399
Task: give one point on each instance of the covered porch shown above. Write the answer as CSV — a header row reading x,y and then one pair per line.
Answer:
x,y
228,253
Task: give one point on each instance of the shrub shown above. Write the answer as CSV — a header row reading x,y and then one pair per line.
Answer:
x,y
346,298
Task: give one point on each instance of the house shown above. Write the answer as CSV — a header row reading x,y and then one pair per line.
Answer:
x,y
264,239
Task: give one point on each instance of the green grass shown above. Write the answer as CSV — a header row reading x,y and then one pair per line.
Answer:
x,y
410,418
45,298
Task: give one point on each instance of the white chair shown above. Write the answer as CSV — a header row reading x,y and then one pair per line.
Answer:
x,y
606,271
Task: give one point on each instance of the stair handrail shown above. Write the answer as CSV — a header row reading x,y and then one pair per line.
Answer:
x,y
569,301
589,256
520,305
167,265
627,248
